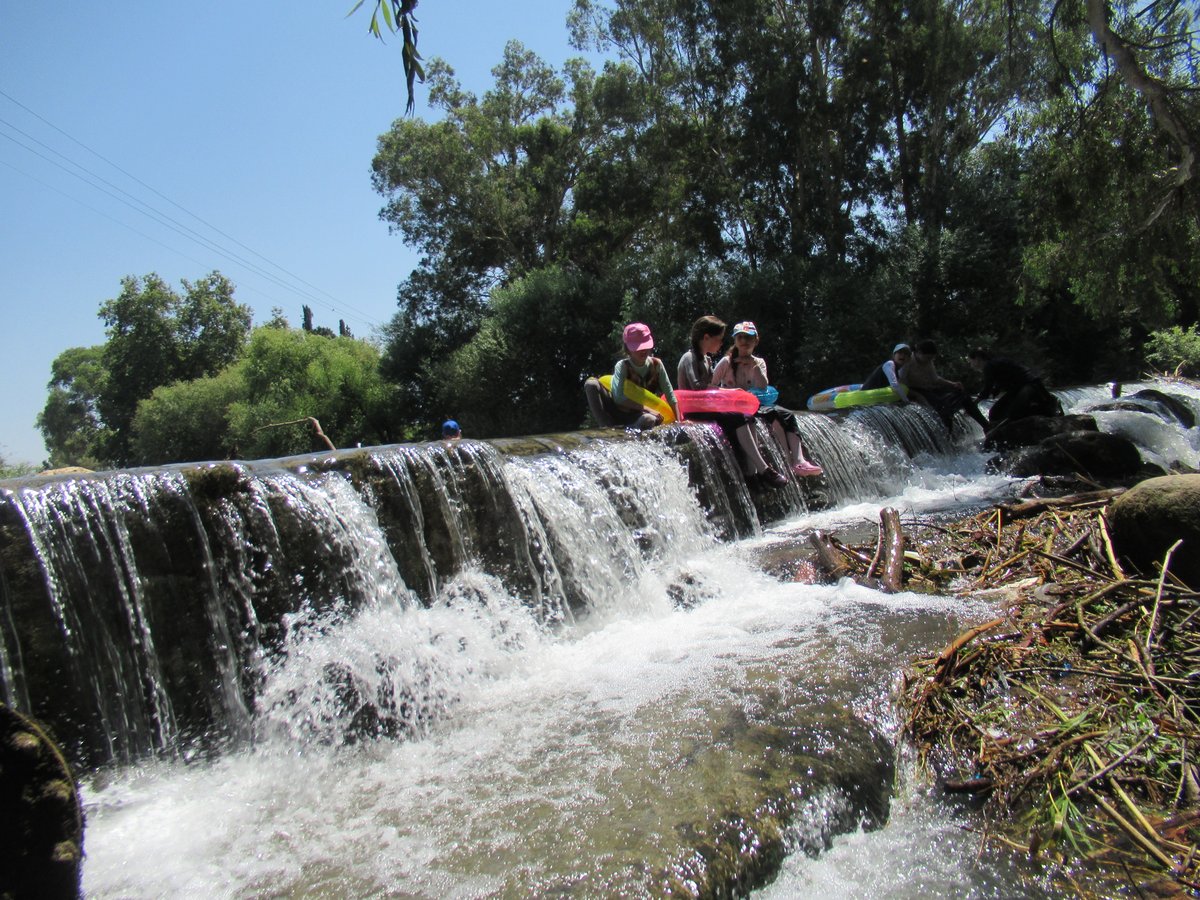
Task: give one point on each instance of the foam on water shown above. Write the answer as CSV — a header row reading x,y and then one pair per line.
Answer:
x,y
542,735
509,743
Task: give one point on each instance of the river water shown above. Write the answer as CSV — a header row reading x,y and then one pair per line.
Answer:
x,y
568,754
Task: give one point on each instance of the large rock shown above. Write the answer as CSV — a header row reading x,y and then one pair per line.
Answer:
x,y
1150,517
41,820
1094,454
1178,408
1168,407
1033,429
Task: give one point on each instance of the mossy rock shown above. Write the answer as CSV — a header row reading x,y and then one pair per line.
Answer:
x,y
1150,517
41,820
215,481
848,775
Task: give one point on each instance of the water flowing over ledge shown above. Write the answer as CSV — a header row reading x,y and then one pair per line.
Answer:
x,y
568,630
142,606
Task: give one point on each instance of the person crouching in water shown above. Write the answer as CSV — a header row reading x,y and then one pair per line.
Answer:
x,y
1022,394
695,373
740,368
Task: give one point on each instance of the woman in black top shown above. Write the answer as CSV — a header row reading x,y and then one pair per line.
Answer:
x,y
1022,393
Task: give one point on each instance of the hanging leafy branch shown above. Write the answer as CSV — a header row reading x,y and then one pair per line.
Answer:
x,y
397,15
1162,97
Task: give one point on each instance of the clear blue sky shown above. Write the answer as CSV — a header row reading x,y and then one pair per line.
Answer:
x,y
245,130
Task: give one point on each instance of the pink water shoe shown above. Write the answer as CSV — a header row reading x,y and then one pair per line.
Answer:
x,y
806,469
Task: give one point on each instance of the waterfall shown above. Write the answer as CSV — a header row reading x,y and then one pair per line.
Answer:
x,y
157,599
166,595
416,668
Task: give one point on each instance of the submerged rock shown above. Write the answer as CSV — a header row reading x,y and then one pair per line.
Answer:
x,y
1034,429
834,774
1094,454
1167,407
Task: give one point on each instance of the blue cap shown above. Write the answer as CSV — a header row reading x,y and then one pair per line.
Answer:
x,y
450,428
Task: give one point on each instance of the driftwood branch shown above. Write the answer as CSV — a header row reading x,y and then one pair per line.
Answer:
x,y
1024,508
944,666
316,426
832,562
892,540
839,561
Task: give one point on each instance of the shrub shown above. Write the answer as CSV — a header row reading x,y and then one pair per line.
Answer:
x,y
1175,350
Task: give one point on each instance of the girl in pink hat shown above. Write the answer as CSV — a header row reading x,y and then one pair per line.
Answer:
x,y
645,370
740,368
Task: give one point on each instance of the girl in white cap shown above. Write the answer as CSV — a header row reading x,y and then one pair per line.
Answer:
x,y
889,374
740,368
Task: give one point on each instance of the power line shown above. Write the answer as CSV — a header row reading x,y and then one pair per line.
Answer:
x,y
124,225
308,291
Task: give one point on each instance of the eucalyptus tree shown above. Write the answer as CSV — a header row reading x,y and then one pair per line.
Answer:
x,y
155,336
70,422
545,169
1113,241
818,138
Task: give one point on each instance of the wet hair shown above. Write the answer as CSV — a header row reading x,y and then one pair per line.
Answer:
x,y
926,347
705,326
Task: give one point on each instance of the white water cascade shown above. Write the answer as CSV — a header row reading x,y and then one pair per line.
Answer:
x,y
572,705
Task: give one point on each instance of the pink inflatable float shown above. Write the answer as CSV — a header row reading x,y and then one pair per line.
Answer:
x,y
716,400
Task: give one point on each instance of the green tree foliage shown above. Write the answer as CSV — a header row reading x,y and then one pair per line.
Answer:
x,y
260,405
521,373
157,337
188,421
292,375
210,327
977,171
70,422
1175,350
397,15
1099,249
483,191
15,469
502,187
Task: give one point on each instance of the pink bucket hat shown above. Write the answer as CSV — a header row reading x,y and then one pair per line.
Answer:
x,y
637,337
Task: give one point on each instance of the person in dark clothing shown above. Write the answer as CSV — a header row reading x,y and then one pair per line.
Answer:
x,y
1021,393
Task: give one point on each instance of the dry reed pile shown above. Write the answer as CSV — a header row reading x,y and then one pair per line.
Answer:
x,y
1075,715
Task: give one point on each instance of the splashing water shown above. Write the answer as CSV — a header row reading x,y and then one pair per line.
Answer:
x,y
572,667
